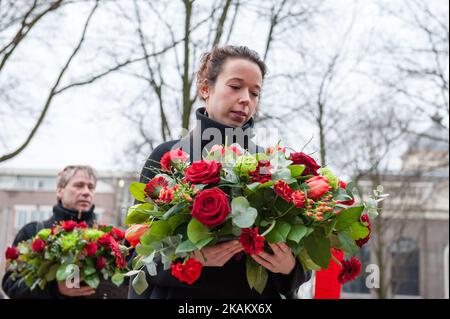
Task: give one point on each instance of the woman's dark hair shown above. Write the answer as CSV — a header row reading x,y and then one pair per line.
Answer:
x,y
211,62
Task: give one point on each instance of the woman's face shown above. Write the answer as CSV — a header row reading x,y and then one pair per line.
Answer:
x,y
233,99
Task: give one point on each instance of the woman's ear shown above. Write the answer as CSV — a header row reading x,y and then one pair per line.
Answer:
x,y
204,90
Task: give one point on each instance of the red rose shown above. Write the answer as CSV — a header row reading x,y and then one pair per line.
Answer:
x,y
154,186
120,258
117,234
90,249
100,263
311,166
134,233
283,190
262,173
318,186
12,253
350,270
203,172
69,225
105,239
174,156
82,225
299,199
349,202
252,242
188,272
211,207
362,241
38,245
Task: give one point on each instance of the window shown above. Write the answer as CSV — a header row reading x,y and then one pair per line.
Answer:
x,y
25,214
405,267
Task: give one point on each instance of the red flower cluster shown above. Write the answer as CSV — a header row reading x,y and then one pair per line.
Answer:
x,y
172,157
38,245
311,166
350,270
165,195
188,272
90,249
203,172
11,253
70,225
117,234
154,186
283,190
299,199
211,207
362,241
105,239
252,242
262,173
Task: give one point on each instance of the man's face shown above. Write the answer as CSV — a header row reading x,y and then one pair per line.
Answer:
x,y
78,194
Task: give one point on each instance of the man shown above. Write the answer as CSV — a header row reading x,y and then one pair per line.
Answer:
x,y
75,194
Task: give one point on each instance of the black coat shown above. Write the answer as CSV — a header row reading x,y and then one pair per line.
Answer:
x,y
19,290
229,281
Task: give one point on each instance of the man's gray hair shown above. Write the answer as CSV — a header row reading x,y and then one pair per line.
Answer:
x,y
69,171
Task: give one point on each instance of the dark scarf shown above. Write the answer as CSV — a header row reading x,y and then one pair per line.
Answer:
x,y
208,132
61,213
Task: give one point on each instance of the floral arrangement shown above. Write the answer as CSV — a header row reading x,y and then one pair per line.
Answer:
x,y
53,253
258,198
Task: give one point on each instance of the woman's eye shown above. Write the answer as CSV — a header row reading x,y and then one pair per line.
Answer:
x,y
234,87
255,94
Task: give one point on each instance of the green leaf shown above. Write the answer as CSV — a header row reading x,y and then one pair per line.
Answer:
x,y
117,279
348,244
139,214
139,283
348,216
43,269
137,190
318,247
51,274
297,232
185,247
307,262
196,231
144,250
257,275
296,170
157,231
357,231
279,233
174,210
177,220
254,186
242,214
63,272
93,280
88,270
203,242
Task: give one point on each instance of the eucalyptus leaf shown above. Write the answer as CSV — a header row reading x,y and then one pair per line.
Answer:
x,y
139,283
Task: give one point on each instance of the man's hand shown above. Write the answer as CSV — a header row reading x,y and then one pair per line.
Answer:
x,y
75,292
218,255
282,261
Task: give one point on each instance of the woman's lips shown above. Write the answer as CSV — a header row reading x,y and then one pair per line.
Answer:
x,y
238,116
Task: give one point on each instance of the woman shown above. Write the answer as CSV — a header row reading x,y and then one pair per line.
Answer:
x,y
229,81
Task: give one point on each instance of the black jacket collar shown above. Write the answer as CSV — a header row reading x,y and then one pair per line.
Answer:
x,y
61,213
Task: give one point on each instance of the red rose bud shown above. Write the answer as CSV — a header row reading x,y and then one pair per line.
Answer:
x,y
188,272
154,186
211,207
362,241
318,186
105,239
117,234
11,253
38,245
283,190
298,198
172,157
342,184
100,263
311,166
134,233
203,172
252,242
350,270
82,225
90,249
69,225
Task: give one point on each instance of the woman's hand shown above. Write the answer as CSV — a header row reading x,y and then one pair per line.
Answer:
x,y
282,261
217,255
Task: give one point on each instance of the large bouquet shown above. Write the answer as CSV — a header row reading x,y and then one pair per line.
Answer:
x,y
69,249
265,197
